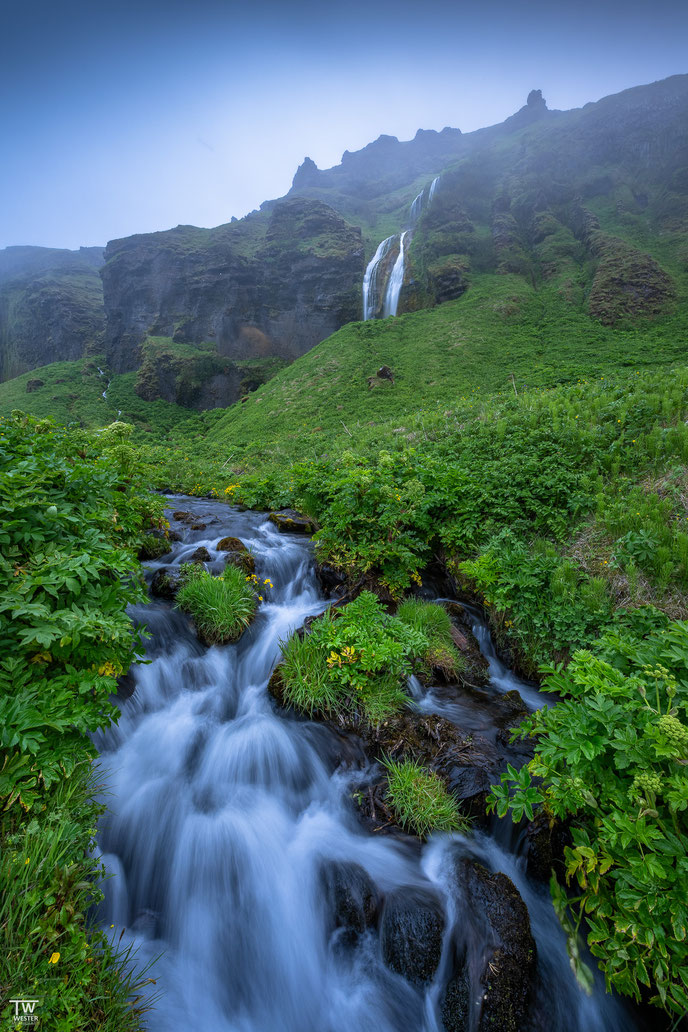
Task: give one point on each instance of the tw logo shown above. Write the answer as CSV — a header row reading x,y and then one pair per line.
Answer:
x,y
27,1015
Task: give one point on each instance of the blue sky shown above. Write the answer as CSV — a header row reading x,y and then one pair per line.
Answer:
x,y
130,117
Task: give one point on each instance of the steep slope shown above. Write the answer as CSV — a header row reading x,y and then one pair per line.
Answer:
x,y
51,306
275,283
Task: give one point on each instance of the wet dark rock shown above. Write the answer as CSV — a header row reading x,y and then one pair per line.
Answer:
x,y
456,1005
331,580
288,521
351,898
165,583
183,516
239,554
545,846
126,686
199,526
501,960
201,555
411,933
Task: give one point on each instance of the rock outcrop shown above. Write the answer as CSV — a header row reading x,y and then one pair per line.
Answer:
x,y
51,306
275,283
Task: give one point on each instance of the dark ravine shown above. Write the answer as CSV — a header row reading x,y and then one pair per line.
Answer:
x,y
239,855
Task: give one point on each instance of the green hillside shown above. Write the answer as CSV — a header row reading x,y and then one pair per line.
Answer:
x,y
501,337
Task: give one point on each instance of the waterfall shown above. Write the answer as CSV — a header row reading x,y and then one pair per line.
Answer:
x,y
395,283
433,187
417,206
234,848
371,287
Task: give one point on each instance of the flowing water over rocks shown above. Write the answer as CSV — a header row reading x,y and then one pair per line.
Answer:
x,y
241,863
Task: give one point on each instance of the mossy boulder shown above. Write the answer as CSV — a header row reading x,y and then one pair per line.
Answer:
x,y
152,547
288,521
237,554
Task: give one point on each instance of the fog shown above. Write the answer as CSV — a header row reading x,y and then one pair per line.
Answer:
x,y
117,121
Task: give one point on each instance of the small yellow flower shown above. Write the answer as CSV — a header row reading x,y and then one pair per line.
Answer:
x,y
54,958
27,861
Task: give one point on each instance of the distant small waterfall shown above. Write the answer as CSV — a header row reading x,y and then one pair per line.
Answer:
x,y
433,187
395,283
371,286
417,206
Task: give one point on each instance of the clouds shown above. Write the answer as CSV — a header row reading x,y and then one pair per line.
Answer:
x,y
127,117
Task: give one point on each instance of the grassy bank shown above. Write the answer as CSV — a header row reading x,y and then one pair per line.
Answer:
x,y
72,513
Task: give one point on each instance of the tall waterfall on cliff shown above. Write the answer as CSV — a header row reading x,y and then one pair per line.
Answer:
x,y
396,280
433,187
417,206
371,285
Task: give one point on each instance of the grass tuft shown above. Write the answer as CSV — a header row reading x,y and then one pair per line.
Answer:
x,y
221,607
420,801
433,621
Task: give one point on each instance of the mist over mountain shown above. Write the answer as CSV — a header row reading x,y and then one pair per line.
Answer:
x,y
594,200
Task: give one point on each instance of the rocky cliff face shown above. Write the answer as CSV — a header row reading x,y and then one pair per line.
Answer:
x,y
276,283
51,306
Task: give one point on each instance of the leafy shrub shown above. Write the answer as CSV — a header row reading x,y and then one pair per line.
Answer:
x,y
70,525
353,661
221,607
433,621
420,801
546,602
613,756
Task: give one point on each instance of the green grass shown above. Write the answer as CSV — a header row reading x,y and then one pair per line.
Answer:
x,y
447,357
71,392
420,801
49,879
221,607
353,663
433,621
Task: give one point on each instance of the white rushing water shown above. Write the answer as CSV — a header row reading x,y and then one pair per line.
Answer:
x,y
371,280
433,187
417,206
225,817
395,282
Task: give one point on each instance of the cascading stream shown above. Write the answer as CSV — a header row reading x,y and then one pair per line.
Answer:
x,y
433,188
224,816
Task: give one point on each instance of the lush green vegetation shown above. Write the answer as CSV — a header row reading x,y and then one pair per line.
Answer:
x,y
612,755
352,663
72,511
447,358
433,622
419,799
221,607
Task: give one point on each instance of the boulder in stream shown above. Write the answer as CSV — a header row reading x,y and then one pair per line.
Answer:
x,y
201,555
237,554
411,933
497,961
288,521
351,899
165,583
